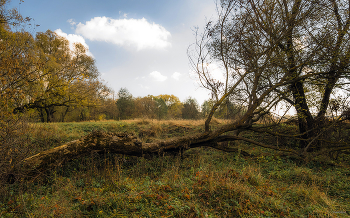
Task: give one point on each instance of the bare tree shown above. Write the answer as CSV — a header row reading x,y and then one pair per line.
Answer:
x,y
271,52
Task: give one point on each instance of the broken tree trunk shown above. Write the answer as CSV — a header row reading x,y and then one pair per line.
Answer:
x,y
96,141
120,143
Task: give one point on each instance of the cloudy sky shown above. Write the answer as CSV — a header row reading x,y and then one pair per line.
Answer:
x,y
137,44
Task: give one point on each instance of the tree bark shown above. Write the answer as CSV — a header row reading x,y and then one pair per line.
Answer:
x,y
42,118
96,141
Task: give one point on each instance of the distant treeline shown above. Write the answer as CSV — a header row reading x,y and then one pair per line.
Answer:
x,y
125,106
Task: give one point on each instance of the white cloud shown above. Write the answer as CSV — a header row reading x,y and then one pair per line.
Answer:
x,y
140,77
71,22
176,76
73,38
158,76
216,72
143,87
125,32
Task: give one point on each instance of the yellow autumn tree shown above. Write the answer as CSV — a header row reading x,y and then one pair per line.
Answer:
x,y
66,78
145,107
174,106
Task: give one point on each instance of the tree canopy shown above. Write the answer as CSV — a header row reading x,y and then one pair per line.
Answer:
x,y
190,109
125,104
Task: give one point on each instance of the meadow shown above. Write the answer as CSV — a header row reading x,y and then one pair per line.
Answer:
x,y
203,183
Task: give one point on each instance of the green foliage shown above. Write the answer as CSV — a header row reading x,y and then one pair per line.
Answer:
x,y
159,107
145,107
190,109
206,107
125,104
162,108
228,110
174,106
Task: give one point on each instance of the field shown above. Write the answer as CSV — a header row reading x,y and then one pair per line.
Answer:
x,y
205,183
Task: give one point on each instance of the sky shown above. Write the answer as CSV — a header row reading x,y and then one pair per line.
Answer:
x,y
140,45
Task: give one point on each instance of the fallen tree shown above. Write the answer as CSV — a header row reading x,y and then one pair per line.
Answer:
x,y
129,144
119,143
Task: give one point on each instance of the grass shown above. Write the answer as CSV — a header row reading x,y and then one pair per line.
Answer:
x,y
206,183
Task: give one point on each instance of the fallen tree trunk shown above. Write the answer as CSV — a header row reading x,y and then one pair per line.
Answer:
x,y
96,141
119,143
129,144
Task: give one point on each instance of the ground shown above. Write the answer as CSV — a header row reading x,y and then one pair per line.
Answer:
x,y
204,183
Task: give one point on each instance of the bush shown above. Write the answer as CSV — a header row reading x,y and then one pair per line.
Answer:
x,y
14,137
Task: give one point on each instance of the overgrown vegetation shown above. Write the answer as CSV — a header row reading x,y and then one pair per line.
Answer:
x,y
205,183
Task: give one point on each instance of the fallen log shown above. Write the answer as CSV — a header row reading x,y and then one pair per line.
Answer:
x,y
130,144
96,141
119,143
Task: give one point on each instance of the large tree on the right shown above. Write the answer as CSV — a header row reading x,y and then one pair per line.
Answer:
x,y
297,51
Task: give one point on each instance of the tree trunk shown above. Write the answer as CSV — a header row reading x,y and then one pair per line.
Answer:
x,y
64,114
49,113
120,143
41,113
305,119
97,141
